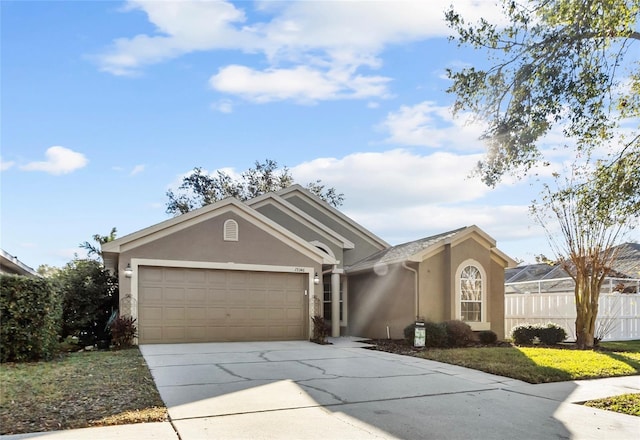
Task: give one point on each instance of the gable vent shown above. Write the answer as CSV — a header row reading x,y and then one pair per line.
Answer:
x,y
230,230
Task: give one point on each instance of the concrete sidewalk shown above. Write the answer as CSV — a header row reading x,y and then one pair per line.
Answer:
x,y
300,390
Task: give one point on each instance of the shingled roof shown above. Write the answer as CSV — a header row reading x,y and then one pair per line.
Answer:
x,y
627,265
402,252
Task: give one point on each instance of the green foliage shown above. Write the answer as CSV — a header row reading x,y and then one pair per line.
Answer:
x,y
487,337
123,331
550,334
538,364
435,334
30,316
524,334
90,295
459,334
410,333
95,249
320,330
200,189
559,63
625,404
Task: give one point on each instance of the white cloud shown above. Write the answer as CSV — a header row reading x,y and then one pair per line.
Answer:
x,y
60,160
137,170
396,177
402,196
326,48
223,106
5,165
302,84
429,125
182,27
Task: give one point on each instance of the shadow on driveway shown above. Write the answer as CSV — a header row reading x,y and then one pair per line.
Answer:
x,y
297,389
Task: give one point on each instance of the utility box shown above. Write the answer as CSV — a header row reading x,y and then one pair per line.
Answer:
x,y
419,335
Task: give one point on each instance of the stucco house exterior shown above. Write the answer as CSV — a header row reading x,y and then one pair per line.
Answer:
x,y
259,270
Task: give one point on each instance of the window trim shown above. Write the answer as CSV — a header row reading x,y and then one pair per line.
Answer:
x,y
483,324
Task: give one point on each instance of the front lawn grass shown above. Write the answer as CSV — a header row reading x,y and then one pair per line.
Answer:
x,y
625,404
540,365
78,390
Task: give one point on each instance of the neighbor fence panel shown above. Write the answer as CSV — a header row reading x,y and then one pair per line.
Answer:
x,y
618,313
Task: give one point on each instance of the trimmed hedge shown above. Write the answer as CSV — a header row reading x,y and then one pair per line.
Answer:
x,y
487,337
459,333
30,318
525,334
435,334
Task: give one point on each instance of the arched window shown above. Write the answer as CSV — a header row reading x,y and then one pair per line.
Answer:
x,y
471,294
230,230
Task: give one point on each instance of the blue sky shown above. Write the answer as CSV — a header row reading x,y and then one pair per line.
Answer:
x,y
106,105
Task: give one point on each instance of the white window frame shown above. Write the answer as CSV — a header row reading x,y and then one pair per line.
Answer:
x,y
483,324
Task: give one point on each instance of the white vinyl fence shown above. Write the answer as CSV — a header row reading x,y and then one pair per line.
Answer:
x,y
618,313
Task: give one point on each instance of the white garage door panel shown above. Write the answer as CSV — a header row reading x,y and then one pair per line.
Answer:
x,y
198,305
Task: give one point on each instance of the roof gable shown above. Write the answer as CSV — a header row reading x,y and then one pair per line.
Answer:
x,y
300,216
168,227
337,216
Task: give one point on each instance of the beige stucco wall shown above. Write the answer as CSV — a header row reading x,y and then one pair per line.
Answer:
x,y
434,302
438,282
204,242
376,302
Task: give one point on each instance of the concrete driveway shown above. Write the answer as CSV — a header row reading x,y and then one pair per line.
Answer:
x,y
301,390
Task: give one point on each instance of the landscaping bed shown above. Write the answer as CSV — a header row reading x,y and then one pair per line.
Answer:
x,y
78,390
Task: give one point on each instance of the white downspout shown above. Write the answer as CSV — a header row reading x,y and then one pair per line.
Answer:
x,y
415,287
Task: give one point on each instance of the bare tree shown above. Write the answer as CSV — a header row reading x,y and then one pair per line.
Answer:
x,y
590,227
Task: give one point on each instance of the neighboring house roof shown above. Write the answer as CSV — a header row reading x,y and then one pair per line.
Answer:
x,y
628,260
534,272
12,265
418,250
320,204
205,213
626,265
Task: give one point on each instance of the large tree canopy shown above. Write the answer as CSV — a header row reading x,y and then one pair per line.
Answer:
x,y
199,188
569,64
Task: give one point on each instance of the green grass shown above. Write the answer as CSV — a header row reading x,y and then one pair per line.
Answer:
x,y
78,390
539,365
629,346
625,404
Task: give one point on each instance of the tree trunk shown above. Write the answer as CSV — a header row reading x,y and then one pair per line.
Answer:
x,y
587,293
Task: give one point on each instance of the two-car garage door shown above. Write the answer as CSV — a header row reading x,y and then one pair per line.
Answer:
x,y
211,305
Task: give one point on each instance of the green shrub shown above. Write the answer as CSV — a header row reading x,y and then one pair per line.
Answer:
x,y
436,334
487,337
524,334
551,334
459,334
410,333
90,295
30,317
123,331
